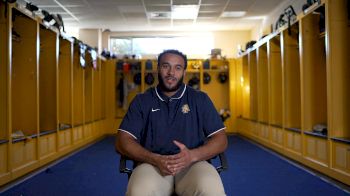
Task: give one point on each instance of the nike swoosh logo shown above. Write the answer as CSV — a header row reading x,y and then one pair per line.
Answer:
x,y
153,110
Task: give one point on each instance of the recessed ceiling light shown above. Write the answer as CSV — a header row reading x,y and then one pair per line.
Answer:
x,y
184,11
255,18
234,14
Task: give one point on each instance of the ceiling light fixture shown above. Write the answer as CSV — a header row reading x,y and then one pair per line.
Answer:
x,y
255,18
235,14
184,11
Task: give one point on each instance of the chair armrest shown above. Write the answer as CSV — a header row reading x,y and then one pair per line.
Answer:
x,y
122,166
223,163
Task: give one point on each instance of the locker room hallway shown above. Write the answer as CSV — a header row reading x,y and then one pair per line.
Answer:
x,y
275,71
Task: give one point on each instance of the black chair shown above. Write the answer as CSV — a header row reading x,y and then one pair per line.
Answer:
x,y
123,167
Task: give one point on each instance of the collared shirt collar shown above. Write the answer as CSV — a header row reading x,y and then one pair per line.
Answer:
x,y
177,95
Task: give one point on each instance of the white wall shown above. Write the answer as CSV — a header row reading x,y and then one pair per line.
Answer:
x,y
228,41
265,27
92,37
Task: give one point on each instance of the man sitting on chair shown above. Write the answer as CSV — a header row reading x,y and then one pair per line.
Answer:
x,y
171,130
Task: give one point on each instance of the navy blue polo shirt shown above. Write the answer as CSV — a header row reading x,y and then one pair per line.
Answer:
x,y
155,120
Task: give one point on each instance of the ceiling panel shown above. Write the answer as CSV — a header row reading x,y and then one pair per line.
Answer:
x,y
209,14
185,2
211,8
263,6
157,8
183,22
68,2
240,7
201,19
74,4
241,22
242,2
214,2
39,2
131,8
69,20
53,9
108,11
115,2
140,21
131,14
135,15
80,9
160,21
157,2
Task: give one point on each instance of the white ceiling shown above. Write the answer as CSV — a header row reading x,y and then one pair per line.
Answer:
x,y
133,15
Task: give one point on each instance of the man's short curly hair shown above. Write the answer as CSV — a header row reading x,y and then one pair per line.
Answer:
x,y
172,51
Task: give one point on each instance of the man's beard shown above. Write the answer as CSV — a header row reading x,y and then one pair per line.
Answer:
x,y
164,88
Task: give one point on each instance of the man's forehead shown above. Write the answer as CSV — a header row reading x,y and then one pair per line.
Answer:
x,y
173,56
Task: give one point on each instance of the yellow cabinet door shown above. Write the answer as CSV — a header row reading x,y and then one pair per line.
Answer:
x,y
341,157
316,149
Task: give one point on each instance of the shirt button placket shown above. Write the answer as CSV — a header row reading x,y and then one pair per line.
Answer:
x,y
171,111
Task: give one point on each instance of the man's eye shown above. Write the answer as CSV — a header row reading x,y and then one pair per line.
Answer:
x,y
178,68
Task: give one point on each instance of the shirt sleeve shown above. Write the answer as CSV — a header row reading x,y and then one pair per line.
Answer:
x,y
212,122
132,122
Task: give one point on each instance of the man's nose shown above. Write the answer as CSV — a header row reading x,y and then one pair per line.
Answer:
x,y
171,70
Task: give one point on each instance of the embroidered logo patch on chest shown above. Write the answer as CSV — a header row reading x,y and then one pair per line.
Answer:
x,y
185,109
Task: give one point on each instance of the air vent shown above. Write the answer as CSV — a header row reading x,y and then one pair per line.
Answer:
x,y
159,15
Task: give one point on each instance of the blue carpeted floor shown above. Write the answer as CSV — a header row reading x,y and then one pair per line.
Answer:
x,y
252,171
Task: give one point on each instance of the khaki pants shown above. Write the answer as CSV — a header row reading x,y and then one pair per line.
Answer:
x,y
201,179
